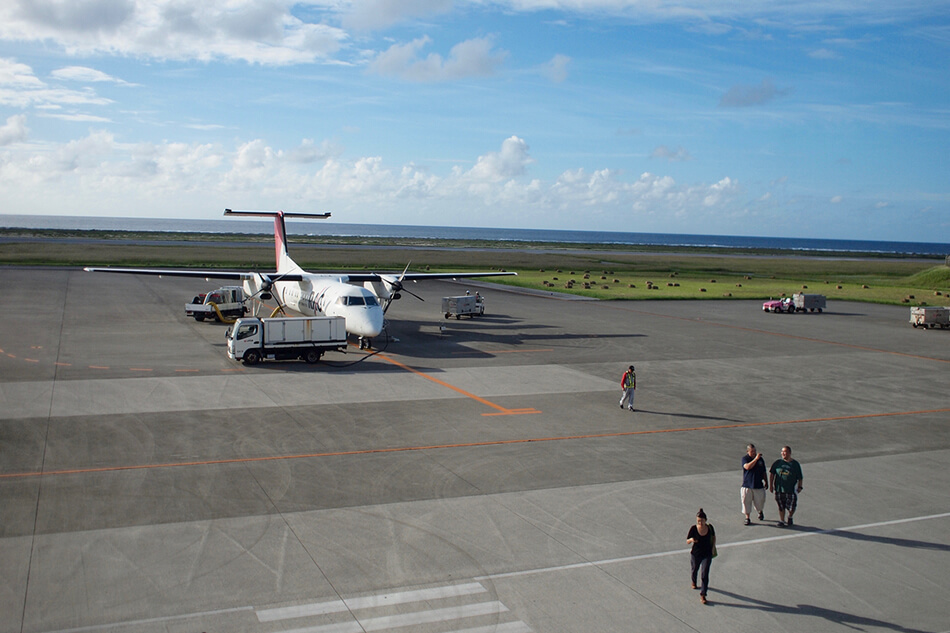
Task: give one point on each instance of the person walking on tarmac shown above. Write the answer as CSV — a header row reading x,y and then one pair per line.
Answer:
x,y
628,384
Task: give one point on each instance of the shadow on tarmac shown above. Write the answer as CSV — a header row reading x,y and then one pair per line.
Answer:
x,y
849,620
692,416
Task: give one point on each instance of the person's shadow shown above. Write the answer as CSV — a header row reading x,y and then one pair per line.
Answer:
x,y
850,620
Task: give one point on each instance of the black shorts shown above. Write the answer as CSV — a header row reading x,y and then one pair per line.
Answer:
x,y
787,501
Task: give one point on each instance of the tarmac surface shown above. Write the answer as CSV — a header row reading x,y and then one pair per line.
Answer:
x,y
475,475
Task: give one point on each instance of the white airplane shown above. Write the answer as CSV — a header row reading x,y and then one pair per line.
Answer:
x,y
315,294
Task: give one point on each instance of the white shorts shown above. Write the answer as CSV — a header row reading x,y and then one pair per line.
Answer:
x,y
750,497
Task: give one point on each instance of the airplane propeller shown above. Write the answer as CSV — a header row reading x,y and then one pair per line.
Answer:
x,y
396,286
265,292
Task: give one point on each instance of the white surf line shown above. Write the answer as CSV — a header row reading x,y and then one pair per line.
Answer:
x,y
680,552
369,602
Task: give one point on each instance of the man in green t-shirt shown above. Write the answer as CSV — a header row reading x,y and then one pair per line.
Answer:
x,y
785,480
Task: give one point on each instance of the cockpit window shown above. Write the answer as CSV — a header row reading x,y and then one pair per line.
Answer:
x,y
357,300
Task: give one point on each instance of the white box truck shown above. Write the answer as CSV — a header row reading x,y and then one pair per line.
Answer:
x,y
253,339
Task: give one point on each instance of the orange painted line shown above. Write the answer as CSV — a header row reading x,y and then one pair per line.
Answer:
x,y
31,360
58,364
11,355
442,383
235,369
140,369
97,367
403,449
194,371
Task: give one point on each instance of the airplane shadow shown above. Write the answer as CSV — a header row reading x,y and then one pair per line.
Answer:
x,y
692,416
850,620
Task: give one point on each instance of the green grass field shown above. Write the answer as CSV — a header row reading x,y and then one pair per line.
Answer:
x,y
611,273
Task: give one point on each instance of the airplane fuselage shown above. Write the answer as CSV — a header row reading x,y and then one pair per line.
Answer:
x,y
326,295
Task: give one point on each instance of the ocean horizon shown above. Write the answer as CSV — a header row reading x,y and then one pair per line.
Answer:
x,y
561,236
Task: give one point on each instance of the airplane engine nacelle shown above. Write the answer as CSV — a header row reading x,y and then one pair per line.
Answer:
x,y
253,285
381,290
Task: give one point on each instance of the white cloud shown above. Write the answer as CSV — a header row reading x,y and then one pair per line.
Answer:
x,y
86,75
380,14
98,173
741,96
14,130
471,58
257,31
20,88
672,155
556,68
836,199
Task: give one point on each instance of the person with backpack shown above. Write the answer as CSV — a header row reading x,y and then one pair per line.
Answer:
x,y
628,385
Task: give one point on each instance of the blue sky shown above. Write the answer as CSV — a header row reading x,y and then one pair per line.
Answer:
x,y
822,119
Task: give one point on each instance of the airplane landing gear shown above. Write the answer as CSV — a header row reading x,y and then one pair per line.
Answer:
x,y
366,343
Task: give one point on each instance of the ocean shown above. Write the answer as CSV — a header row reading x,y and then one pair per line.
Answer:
x,y
265,226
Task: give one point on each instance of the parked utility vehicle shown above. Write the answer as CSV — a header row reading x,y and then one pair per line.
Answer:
x,y
253,339
779,305
926,317
465,305
808,303
223,304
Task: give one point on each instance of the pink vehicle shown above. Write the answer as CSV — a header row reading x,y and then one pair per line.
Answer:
x,y
779,305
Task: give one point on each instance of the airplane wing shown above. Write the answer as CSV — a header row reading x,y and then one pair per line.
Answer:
x,y
362,277
198,274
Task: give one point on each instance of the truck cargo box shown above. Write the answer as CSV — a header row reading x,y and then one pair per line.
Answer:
x,y
808,303
926,317
295,330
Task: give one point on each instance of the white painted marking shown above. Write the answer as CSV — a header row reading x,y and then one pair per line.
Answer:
x,y
168,618
680,552
368,602
433,615
340,627
301,611
403,597
507,627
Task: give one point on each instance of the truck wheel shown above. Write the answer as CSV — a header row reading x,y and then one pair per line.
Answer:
x,y
819,310
199,317
312,356
252,357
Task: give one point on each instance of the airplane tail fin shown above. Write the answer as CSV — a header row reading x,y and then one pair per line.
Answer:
x,y
284,262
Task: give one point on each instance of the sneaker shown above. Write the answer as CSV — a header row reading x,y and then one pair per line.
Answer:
x,y
790,522
761,516
748,521
781,523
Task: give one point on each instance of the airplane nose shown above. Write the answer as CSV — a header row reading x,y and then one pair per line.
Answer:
x,y
366,322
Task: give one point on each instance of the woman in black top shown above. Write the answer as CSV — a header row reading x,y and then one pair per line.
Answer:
x,y
702,537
